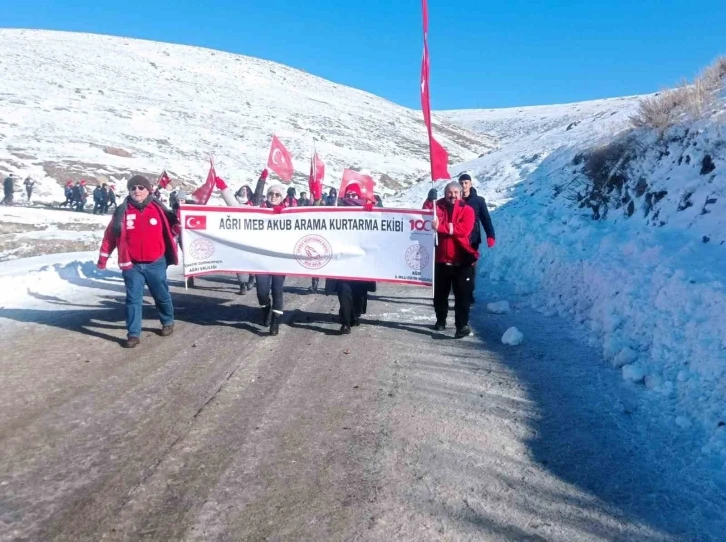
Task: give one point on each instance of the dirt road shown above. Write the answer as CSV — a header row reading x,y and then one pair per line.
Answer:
x,y
392,433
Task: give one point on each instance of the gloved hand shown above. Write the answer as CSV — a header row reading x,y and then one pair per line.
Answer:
x,y
368,205
277,209
101,264
264,174
219,183
491,242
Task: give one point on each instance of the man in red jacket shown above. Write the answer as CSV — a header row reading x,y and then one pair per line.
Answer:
x,y
142,230
455,259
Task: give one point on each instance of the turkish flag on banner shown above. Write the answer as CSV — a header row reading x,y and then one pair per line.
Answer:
x,y
439,156
317,174
202,194
365,182
164,180
280,160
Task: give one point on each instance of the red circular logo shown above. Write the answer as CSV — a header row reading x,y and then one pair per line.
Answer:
x,y
313,252
201,249
417,257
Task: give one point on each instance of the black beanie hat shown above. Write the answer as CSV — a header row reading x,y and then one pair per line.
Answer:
x,y
432,194
464,177
291,191
138,180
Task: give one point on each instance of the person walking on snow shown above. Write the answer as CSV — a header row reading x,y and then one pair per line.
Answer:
x,y
430,201
352,294
8,189
142,229
455,259
68,191
100,196
29,184
481,212
111,200
267,283
80,196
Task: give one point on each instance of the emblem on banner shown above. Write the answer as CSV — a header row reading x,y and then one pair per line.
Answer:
x,y
417,257
313,252
201,249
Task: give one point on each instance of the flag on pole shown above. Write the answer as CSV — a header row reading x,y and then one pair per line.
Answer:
x,y
365,182
280,160
438,155
317,174
202,194
164,180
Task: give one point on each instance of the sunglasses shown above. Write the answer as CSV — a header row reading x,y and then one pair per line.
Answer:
x,y
139,188
274,195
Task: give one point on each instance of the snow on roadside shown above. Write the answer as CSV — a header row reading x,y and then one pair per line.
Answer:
x,y
647,280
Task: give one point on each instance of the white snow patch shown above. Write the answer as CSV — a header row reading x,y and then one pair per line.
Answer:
x,y
513,337
498,307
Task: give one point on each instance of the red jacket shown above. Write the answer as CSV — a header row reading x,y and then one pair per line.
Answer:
x,y
116,236
455,248
289,202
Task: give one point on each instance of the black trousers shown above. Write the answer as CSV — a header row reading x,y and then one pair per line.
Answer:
x,y
353,298
267,283
461,280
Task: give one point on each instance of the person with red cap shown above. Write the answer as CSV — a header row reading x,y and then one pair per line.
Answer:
x,y
68,192
455,259
142,230
352,294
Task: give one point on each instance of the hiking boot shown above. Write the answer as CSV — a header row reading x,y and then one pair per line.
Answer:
x,y
131,342
250,284
167,330
275,324
242,290
267,316
440,326
345,329
463,332
355,322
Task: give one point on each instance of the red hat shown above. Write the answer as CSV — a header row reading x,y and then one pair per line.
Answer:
x,y
353,187
83,182
69,183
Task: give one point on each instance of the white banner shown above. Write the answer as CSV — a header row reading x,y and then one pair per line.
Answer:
x,y
383,245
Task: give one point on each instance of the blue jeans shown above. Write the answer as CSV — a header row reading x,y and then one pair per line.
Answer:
x,y
154,276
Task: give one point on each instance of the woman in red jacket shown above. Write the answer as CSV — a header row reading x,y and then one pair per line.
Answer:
x,y
142,230
455,259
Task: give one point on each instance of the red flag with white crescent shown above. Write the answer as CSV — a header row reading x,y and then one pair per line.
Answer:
x,y
202,194
280,160
438,155
164,180
365,182
317,174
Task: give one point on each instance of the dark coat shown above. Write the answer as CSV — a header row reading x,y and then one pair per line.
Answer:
x,y
481,211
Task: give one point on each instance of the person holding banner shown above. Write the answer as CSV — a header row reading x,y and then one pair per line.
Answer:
x,y
266,284
455,259
142,230
352,294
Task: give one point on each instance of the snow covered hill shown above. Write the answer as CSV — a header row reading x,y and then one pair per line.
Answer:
x,y
621,230
81,105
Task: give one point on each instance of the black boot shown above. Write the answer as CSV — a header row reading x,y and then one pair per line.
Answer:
x,y
242,289
275,324
267,316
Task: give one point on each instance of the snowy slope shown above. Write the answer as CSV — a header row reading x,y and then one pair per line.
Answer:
x,y
640,262
66,97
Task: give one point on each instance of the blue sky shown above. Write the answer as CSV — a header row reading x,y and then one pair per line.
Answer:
x,y
483,54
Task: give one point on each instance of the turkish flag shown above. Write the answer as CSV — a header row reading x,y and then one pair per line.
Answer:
x,y
438,155
202,194
280,160
317,174
164,180
365,182
195,222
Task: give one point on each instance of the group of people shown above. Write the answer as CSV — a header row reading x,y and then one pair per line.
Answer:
x,y
104,196
145,234
9,188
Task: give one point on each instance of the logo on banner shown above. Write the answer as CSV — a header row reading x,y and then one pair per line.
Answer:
x,y
417,257
201,249
313,252
196,222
